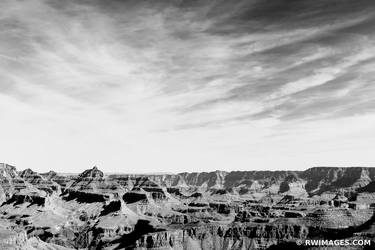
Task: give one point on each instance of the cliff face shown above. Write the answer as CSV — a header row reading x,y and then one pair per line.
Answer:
x,y
322,179
254,236
10,182
314,180
92,186
39,181
12,239
215,210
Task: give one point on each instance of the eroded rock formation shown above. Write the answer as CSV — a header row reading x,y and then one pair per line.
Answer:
x,y
216,210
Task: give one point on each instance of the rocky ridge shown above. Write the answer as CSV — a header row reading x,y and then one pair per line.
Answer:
x,y
215,210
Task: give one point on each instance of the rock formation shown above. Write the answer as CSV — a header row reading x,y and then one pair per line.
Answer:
x,y
215,210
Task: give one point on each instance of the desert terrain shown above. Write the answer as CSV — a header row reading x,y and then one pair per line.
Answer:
x,y
207,210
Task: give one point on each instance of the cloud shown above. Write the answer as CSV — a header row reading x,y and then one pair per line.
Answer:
x,y
184,82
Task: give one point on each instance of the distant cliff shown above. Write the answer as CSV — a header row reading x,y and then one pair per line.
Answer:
x,y
313,180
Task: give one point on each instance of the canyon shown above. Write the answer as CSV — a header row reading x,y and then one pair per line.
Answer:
x,y
208,210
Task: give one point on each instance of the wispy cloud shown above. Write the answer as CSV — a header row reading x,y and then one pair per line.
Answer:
x,y
185,84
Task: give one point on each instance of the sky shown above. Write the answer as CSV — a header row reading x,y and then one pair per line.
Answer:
x,y
138,86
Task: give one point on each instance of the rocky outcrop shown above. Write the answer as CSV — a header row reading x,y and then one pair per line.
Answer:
x,y
49,175
10,182
145,189
313,181
31,198
210,180
7,171
93,173
321,179
7,174
39,181
91,186
205,237
215,210
64,181
12,239
341,218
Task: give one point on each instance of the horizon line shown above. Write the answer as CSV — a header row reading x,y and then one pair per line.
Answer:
x,y
176,173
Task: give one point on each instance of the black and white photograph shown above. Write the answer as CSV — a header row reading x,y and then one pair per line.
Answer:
x,y
187,124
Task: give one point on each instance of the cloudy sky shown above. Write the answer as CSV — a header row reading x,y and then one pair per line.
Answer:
x,y
186,85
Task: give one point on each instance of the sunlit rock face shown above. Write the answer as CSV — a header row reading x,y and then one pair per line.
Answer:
x,y
223,237
91,186
10,181
93,173
7,176
216,210
39,181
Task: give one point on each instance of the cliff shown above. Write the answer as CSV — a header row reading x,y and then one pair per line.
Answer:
x,y
209,210
314,180
248,236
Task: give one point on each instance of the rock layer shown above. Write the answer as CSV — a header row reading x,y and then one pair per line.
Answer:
x,y
215,210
